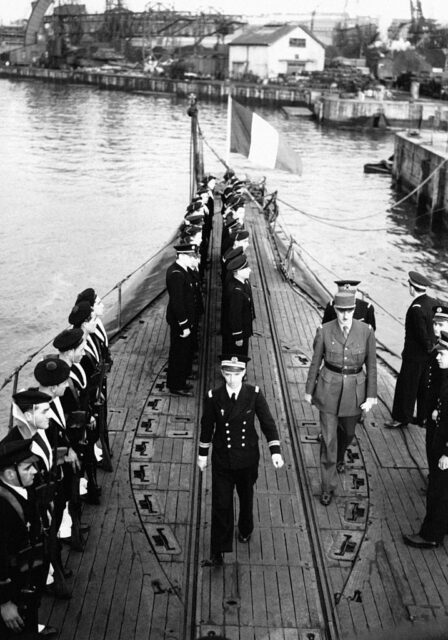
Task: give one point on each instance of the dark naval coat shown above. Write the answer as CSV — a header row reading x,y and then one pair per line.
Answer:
x,y
180,313
230,426
342,393
419,336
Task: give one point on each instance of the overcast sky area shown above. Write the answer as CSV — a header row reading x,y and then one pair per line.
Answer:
x,y
11,10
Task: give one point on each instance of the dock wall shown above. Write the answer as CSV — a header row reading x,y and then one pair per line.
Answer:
x,y
423,160
374,113
213,90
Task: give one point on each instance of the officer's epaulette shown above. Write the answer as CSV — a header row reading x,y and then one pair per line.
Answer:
x,y
257,389
369,304
417,305
210,393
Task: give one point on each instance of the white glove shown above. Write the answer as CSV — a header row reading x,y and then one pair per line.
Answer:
x,y
434,414
277,460
368,404
308,398
202,462
185,333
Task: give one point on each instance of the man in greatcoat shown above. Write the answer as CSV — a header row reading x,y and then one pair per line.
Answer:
x,y
419,341
435,524
238,307
341,389
181,315
228,422
364,310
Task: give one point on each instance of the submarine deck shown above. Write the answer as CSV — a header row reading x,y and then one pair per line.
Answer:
x,y
309,572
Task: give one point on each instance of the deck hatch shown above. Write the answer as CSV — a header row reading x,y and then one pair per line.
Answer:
x,y
162,539
345,545
142,449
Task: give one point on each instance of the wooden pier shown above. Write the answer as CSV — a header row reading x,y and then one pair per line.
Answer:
x,y
309,572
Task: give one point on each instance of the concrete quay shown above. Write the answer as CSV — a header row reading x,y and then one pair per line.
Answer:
x,y
214,90
421,158
375,114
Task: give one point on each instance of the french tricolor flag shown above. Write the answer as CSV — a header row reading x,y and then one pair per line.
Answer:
x,y
259,141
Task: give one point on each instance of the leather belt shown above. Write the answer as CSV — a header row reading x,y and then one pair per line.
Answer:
x,y
344,370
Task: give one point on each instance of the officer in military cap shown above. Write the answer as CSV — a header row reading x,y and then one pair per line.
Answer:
x,y
341,389
364,310
419,340
180,315
21,544
239,307
228,422
435,524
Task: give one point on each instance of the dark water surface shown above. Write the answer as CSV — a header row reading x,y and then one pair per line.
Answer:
x,y
94,182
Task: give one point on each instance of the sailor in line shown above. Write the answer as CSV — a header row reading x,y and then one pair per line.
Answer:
x,y
419,340
228,422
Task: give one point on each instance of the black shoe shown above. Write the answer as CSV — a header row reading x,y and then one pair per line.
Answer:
x,y
395,424
48,632
217,559
181,392
416,540
243,539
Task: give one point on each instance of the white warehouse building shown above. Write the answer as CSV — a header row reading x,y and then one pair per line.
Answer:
x,y
274,49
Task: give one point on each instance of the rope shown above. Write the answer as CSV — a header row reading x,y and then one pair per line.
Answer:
x,y
215,153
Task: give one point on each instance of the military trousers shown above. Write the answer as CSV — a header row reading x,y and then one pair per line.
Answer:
x,y
180,360
337,434
435,524
411,387
224,481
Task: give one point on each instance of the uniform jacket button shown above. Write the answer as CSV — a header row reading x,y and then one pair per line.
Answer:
x,y
229,446
227,424
243,444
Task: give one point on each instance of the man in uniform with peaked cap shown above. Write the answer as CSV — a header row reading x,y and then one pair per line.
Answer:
x,y
21,572
435,524
181,315
340,389
238,307
364,310
228,422
419,340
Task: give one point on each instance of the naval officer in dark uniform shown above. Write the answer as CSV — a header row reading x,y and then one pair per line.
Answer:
x,y
435,524
238,307
181,315
419,340
341,389
364,310
228,422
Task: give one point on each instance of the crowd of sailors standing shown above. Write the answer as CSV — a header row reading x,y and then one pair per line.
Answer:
x,y
48,465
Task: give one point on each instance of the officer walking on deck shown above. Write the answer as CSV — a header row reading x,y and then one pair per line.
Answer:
x,y
419,341
228,422
341,389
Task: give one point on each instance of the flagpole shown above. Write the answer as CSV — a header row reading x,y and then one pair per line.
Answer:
x,y
229,124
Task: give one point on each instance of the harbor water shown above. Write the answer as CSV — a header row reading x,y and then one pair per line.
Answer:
x,y
94,182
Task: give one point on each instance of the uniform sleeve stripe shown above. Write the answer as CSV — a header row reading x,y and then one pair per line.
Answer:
x,y
274,443
204,445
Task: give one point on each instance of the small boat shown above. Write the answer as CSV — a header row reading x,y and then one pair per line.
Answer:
x,y
383,166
